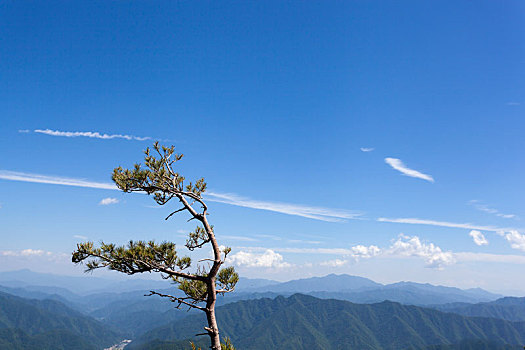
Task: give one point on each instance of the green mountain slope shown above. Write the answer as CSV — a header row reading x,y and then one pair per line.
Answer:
x,y
16,339
305,322
25,321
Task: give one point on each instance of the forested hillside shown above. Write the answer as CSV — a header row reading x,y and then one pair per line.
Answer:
x,y
305,322
48,324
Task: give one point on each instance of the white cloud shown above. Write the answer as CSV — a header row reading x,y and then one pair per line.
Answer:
x,y
8,253
516,239
412,246
54,180
90,134
24,131
366,149
317,213
415,221
334,263
80,237
361,251
404,246
108,201
484,208
478,237
398,165
37,252
268,259
25,252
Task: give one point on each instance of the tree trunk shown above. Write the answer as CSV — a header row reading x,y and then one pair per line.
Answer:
x,y
213,330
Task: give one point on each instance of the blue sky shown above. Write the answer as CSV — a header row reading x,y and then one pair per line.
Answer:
x,y
368,138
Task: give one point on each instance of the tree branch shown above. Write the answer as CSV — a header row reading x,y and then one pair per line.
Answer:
x,y
179,300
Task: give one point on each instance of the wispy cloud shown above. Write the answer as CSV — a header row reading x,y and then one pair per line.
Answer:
x,y
238,238
279,238
90,134
486,209
478,237
327,251
415,221
80,237
398,165
513,103
108,201
303,241
367,149
54,180
317,213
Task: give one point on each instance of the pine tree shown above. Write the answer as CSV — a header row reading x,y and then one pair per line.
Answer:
x,y
201,286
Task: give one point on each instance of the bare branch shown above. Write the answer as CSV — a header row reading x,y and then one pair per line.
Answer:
x,y
179,300
175,212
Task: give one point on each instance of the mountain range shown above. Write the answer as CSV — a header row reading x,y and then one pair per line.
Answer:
x,y
116,310
304,322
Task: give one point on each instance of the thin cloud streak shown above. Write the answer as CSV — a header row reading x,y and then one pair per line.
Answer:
x,y
238,238
90,134
484,208
54,180
328,251
415,221
367,149
398,165
316,213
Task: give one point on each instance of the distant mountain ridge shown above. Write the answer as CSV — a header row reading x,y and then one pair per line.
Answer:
x,y
328,283
363,290
345,287
507,308
80,285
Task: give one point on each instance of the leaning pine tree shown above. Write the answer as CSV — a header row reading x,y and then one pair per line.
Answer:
x,y
200,285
